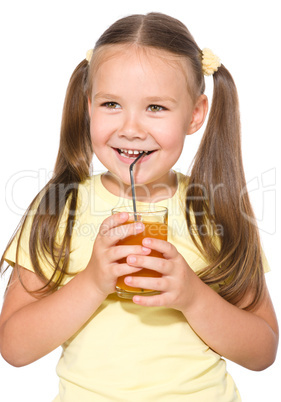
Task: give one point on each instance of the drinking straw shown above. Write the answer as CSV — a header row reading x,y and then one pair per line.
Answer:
x,y
133,184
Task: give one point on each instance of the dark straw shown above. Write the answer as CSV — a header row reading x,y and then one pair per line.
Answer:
x,y
133,184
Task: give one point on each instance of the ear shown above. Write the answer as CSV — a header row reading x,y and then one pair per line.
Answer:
x,y
199,114
89,107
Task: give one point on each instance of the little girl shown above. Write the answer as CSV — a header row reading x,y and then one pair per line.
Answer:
x,y
141,89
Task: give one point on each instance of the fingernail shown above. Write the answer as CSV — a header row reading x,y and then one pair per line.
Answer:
x,y
123,215
146,241
132,259
136,299
145,249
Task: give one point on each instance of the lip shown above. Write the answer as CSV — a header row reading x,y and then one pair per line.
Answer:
x,y
129,161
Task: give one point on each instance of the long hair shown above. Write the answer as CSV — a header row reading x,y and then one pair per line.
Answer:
x,y
216,194
71,168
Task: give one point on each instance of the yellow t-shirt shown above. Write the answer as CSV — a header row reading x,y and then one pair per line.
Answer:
x,y
126,352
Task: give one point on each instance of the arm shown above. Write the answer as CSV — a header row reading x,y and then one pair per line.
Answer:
x,y
30,328
249,338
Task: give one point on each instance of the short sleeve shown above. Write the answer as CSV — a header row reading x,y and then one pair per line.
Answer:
x,y
18,251
23,251
266,267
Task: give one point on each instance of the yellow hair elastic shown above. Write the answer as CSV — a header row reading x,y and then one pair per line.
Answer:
x,y
210,62
89,55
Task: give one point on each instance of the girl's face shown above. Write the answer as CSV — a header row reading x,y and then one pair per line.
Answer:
x,y
140,102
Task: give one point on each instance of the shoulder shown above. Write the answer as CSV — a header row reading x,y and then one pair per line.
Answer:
x,y
183,180
91,184
87,190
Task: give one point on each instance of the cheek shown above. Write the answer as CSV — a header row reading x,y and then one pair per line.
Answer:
x,y
174,137
173,129
101,126
97,130
96,137
175,143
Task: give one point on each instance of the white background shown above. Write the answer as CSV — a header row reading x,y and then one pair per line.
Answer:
x,y
41,44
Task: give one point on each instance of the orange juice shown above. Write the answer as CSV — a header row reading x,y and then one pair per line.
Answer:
x,y
152,229
155,226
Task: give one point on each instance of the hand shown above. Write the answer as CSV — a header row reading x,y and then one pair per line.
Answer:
x,y
103,268
177,284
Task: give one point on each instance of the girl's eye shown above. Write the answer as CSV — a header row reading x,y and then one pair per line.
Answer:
x,y
156,108
111,105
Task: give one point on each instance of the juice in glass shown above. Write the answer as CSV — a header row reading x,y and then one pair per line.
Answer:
x,y
156,226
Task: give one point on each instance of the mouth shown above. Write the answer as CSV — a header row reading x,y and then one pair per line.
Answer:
x,y
132,153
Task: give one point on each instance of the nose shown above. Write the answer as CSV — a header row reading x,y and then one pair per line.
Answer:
x,y
131,127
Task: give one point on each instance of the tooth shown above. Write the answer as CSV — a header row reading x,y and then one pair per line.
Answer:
x,y
127,152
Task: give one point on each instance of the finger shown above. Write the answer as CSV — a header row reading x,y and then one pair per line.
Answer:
x,y
114,229
124,269
167,249
158,284
150,301
118,252
160,265
121,232
111,222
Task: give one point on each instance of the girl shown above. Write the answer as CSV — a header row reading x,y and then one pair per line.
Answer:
x,y
142,90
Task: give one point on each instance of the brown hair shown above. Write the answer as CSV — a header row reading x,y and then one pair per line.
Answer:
x,y
216,181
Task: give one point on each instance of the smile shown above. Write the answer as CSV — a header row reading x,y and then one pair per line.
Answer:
x,y
131,153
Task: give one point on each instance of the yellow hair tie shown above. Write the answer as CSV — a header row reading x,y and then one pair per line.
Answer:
x,y
89,55
210,62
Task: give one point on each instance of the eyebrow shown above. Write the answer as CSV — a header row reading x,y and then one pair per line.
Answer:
x,y
149,99
153,99
105,96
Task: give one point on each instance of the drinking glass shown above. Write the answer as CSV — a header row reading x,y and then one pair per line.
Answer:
x,y
155,220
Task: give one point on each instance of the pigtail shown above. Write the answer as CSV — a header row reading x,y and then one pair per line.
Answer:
x,y
217,199
75,152
71,168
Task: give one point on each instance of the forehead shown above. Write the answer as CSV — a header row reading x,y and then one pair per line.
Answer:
x,y
107,52
139,60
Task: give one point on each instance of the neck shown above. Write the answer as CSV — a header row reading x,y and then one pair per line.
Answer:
x,y
159,190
